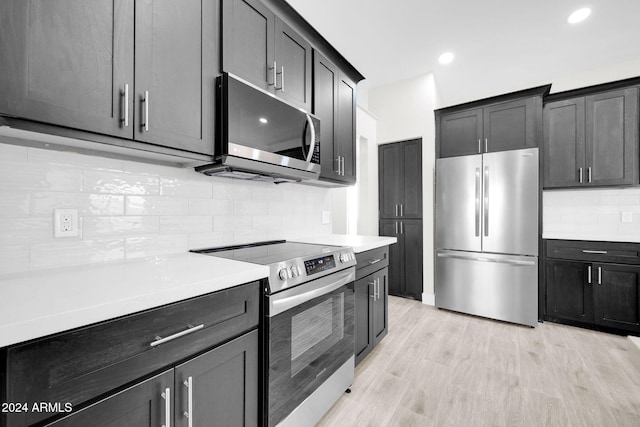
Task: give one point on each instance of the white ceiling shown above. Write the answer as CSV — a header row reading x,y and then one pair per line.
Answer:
x,y
500,45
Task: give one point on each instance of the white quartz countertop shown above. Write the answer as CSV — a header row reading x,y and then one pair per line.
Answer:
x,y
358,243
40,303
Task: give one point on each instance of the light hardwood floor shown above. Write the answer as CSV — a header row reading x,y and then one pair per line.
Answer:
x,y
439,368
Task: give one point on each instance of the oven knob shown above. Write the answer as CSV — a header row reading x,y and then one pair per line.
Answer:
x,y
344,257
294,271
283,274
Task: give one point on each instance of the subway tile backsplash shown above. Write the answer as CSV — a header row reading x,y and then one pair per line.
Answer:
x,y
592,214
131,210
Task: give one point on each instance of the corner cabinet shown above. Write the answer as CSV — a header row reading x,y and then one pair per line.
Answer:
x,y
334,103
262,49
111,67
507,122
591,140
192,360
371,300
593,284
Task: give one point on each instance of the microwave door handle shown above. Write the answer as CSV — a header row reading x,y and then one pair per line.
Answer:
x,y
312,147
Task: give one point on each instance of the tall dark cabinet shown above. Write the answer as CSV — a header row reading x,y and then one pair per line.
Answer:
x,y
400,212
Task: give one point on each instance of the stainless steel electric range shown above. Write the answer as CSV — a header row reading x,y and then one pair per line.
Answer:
x,y
309,326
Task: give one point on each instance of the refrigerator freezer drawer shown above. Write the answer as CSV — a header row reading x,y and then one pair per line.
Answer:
x,y
502,287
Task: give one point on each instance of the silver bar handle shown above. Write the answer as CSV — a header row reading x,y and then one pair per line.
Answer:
x,y
281,73
190,329
479,147
342,157
401,209
580,175
189,412
377,289
274,75
401,231
589,173
145,102
338,160
589,251
483,259
589,274
167,407
486,145
124,94
396,209
373,285
312,147
396,227
478,179
486,201
375,261
599,275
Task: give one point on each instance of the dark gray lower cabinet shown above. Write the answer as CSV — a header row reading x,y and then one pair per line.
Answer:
x,y
588,284
405,257
371,300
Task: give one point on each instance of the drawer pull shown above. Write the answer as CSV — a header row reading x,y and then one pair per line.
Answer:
x,y
189,330
587,251
375,261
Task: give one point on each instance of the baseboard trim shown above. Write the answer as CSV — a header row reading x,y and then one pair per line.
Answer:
x,y
635,340
429,299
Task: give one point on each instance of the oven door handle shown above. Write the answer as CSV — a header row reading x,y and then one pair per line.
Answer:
x,y
290,298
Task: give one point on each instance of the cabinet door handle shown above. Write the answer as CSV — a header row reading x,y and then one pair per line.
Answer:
x,y
167,407
479,146
281,73
589,251
401,210
580,175
191,329
189,412
486,145
396,227
589,274
599,275
274,74
124,95
589,173
401,232
145,109
373,285
342,158
396,210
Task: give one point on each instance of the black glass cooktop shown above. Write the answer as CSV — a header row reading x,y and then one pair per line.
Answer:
x,y
266,253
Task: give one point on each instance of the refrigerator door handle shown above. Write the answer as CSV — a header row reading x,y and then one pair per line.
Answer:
x,y
484,259
486,201
478,190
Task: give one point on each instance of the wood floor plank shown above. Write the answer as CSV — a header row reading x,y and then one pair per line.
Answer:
x,y
441,368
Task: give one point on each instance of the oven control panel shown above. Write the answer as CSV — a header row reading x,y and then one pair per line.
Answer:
x,y
318,265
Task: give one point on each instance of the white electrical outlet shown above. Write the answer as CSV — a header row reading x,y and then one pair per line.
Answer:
x,y
626,216
326,217
65,222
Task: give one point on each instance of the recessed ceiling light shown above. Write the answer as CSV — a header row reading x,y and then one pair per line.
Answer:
x,y
446,58
263,120
579,15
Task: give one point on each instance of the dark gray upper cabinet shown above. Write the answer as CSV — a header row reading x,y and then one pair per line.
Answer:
x,y
176,65
68,63
400,179
71,63
262,49
592,140
506,122
335,104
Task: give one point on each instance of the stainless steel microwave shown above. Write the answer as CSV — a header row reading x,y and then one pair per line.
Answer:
x,y
261,137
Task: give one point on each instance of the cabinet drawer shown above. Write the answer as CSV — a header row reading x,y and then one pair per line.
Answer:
x,y
370,261
615,252
82,364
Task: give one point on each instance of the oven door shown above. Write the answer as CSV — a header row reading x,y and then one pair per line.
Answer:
x,y
310,335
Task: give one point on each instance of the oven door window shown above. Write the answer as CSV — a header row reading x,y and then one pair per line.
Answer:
x,y
306,345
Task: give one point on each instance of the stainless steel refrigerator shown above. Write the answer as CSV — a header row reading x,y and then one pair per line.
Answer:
x,y
486,235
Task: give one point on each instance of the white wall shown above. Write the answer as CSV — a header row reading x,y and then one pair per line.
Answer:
x,y
367,148
404,110
130,209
